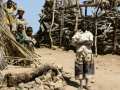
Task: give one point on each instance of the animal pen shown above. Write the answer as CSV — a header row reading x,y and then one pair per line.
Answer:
x,y
60,19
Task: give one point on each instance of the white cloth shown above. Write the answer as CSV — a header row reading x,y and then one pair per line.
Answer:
x,y
80,37
24,23
21,21
31,39
83,36
84,49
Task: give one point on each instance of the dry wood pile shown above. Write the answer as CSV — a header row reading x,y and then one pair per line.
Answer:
x,y
64,19
108,38
105,21
108,28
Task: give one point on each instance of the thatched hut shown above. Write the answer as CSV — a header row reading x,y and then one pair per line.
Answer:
x,y
9,47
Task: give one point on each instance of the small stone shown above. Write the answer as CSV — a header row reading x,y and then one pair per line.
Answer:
x,y
92,80
37,80
46,88
60,67
58,84
71,51
21,85
54,47
30,84
33,65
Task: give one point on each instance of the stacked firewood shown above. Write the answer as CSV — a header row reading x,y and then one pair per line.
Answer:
x,y
107,25
105,37
58,28
108,29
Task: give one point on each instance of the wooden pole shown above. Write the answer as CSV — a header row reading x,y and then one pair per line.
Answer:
x,y
85,11
77,15
53,19
96,28
115,29
62,23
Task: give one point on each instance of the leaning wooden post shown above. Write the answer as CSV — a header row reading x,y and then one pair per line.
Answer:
x,y
53,19
77,15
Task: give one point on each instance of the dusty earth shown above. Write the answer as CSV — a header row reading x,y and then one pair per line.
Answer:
x,y
107,75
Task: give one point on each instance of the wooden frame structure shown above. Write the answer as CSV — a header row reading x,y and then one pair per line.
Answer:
x,y
72,15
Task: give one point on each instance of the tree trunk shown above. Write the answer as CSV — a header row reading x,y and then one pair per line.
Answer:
x,y
13,79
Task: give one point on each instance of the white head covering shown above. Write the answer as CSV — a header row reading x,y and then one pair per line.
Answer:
x,y
21,8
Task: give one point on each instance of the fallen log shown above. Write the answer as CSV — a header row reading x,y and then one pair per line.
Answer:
x,y
13,79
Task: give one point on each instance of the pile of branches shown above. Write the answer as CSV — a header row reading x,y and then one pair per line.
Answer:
x,y
105,21
64,20
108,32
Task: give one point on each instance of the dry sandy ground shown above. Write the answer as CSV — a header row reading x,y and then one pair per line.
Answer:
x,y
107,75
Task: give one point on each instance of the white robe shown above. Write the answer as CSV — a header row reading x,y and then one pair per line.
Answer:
x,y
82,50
